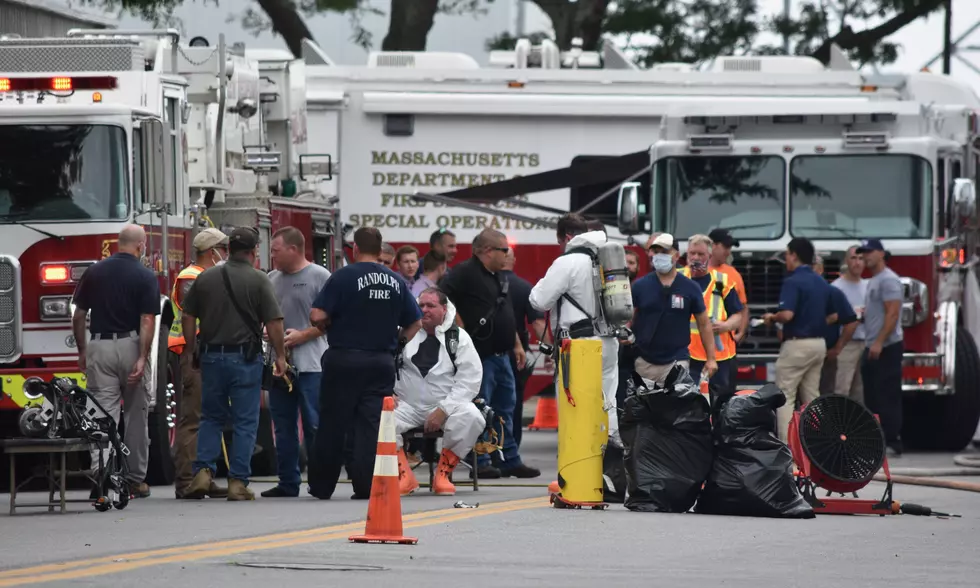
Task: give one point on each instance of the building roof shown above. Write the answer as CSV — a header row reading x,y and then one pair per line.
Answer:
x,y
64,9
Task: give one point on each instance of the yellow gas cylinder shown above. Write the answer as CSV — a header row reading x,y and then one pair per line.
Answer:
x,y
583,426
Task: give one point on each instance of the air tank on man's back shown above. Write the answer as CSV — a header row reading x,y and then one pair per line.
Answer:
x,y
617,298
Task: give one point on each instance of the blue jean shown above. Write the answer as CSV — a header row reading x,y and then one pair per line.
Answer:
x,y
286,408
498,390
230,386
721,383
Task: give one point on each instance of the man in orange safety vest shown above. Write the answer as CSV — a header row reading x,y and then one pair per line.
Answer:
x,y
211,249
724,311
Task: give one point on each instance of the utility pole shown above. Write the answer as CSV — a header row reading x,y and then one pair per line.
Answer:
x,y
948,46
786,8
521,19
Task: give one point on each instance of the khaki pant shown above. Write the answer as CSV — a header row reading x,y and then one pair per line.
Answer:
x,y
798,374
652,374
849,381
108,365
188,422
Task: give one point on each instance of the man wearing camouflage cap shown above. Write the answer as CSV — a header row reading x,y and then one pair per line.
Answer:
x,y
210,249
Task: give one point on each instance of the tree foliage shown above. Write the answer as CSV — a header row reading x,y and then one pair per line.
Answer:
x,y
653,31
657,31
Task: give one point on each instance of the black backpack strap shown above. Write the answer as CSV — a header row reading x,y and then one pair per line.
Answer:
x,y
576,305
257,334
452,344
595,258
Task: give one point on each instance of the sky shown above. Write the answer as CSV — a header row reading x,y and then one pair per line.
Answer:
x,y
920,41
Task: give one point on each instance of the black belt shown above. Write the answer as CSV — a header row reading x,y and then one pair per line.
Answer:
x,y
581,329
796,337
218,348
109,335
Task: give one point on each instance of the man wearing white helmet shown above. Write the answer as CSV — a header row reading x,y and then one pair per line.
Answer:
x,y
211,249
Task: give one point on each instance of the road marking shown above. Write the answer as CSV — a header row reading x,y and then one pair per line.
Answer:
x,y
112,564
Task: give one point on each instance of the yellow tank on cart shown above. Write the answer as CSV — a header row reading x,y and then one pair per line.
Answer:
x,y
583,426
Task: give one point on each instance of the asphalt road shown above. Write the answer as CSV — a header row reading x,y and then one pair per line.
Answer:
x,y
513,539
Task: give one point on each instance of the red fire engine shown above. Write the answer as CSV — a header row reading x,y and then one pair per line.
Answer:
x,y
97,131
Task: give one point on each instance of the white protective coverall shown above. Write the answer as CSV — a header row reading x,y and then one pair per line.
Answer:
x,y
572,274
454,394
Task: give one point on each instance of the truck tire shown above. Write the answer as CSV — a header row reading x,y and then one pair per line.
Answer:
x,y
161,470
948,423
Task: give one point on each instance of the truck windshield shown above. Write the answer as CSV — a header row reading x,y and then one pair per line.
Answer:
x,y
856,196
62,173
744,194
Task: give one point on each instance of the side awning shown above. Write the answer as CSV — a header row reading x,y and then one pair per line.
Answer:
x,y
615,169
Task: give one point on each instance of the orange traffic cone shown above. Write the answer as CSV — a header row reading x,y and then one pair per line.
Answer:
x,y
546,415
384,516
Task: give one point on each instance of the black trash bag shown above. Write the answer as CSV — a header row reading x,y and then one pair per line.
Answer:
x,y
666,434
752,473
613,475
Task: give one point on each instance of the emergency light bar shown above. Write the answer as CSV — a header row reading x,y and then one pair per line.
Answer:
x,y
710,142
872,140
58,84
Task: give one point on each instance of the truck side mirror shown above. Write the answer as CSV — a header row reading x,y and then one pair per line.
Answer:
x,y
156,187
628,209
964,197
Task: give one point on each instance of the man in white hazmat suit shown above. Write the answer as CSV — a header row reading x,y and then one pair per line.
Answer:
x,y
570,276
440,375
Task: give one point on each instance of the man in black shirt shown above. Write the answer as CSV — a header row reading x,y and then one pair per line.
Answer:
x,y
480,295
524,314
124,298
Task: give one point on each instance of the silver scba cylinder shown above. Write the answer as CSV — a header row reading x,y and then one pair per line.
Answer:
x,y
617,298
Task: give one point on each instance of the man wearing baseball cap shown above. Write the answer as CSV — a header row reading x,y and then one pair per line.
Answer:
x,y
210,249
233,301
663,304
881,369
721,251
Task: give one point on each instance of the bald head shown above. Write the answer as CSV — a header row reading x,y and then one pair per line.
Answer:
x,y
131,239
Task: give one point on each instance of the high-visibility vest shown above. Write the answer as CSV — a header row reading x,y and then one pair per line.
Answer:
x,y
175,340
714,302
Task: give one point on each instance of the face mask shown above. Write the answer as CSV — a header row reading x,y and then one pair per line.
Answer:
x,y
218,261
663,263
697,266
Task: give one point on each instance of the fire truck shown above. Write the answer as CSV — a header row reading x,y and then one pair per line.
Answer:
x,y
433,140
137,127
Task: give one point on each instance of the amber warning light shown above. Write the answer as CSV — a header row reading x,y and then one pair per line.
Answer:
x,y
57,84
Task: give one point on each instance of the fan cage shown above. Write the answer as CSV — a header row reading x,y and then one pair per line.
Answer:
x,y
842,440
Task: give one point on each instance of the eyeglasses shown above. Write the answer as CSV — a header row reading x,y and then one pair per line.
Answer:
x,y
501,249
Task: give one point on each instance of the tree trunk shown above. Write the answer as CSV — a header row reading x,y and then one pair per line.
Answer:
x,y
593,15
582,19
287,23
409,26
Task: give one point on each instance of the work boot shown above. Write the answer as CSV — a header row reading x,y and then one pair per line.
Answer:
x,y
237,490
521,471
441,486
139,490
215,491
200,485
406,477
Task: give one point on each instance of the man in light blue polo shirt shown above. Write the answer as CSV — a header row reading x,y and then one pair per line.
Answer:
x,y
882,369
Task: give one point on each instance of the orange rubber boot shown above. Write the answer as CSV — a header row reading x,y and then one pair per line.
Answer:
x,y
441,486
406,477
